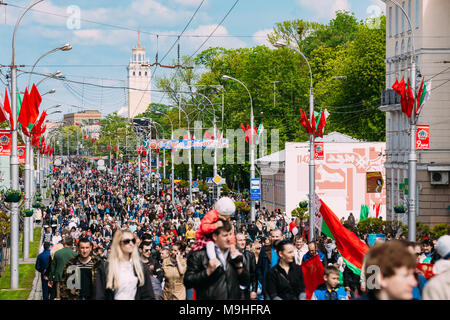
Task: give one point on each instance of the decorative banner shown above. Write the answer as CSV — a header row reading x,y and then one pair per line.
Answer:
x,y
5,142
188,144
21,153
374,182
318,151
144,163
423,137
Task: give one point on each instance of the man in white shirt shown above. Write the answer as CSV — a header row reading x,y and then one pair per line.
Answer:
x,y
300,249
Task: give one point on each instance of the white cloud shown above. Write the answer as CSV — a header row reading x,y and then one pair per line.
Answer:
x,y
325,8
260,37
381,4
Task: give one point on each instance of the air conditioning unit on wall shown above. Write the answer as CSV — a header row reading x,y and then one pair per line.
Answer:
x,y
439,177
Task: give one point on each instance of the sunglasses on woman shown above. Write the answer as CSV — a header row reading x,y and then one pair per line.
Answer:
x,y
127,241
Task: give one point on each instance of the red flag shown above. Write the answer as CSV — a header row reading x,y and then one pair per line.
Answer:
x,y
35,101
245,132
85,137
37,127
409,101
206,136
7,108
115,147
348,244
2,115
25,113
312,275
402,90
313,124
378,209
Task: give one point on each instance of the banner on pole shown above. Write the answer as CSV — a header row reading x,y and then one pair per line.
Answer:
x,y
318,151
21,153
423,137
5,142
188,144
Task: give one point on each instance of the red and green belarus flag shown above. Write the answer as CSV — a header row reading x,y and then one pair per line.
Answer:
x,y
350,247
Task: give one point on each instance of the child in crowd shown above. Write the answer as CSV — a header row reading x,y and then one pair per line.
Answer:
x,y
330,290
223,210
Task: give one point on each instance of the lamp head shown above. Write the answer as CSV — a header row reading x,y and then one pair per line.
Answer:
x,y
280,44
225,77
66,47
52,91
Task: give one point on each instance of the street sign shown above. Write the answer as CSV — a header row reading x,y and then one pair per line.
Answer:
x,y
255,196
210,181
318,151
217,180
144,163
194,184
255,186
195,190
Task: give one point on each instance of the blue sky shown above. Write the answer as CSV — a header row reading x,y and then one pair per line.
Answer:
x,y
101,50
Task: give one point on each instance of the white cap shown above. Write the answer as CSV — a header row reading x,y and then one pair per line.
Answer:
x,y
225,206
443,246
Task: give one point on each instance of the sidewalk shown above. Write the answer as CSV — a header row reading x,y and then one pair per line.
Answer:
x,y
36,289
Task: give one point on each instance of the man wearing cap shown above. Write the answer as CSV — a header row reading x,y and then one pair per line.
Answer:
x,y
438,287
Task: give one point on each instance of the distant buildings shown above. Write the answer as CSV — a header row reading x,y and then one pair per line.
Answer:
x,y
341,176
86,117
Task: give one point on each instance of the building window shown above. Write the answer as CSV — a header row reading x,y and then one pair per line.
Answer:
x,y
396,48
396,20
145,73
390,21
139,73
417,13
403,47
134,73
409,14
403,17
389,74
409,45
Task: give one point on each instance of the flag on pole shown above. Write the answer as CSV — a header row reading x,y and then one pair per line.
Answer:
x,y
313,271
7,108
423,95
348,244
364,213
409,100
260,131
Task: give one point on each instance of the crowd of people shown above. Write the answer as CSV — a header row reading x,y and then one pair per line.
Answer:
x,y
106,238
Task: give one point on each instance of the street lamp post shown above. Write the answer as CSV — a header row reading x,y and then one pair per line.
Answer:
x,y
412,158
171,155
312,165
190,155
252,144
14,226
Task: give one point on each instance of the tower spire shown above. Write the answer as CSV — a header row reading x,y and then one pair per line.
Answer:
x,y
139,38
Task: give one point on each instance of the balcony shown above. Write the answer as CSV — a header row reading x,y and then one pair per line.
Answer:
x,y
389,97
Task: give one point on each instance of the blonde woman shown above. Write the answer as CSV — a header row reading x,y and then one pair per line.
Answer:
x,y
123,277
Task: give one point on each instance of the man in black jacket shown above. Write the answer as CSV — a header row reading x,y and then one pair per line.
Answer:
x,y
219,278
250,266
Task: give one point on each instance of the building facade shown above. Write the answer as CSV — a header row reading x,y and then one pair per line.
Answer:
x,y
341,175
428,38
139,82
85,117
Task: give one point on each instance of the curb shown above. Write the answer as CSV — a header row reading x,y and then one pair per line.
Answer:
x,y
35,293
